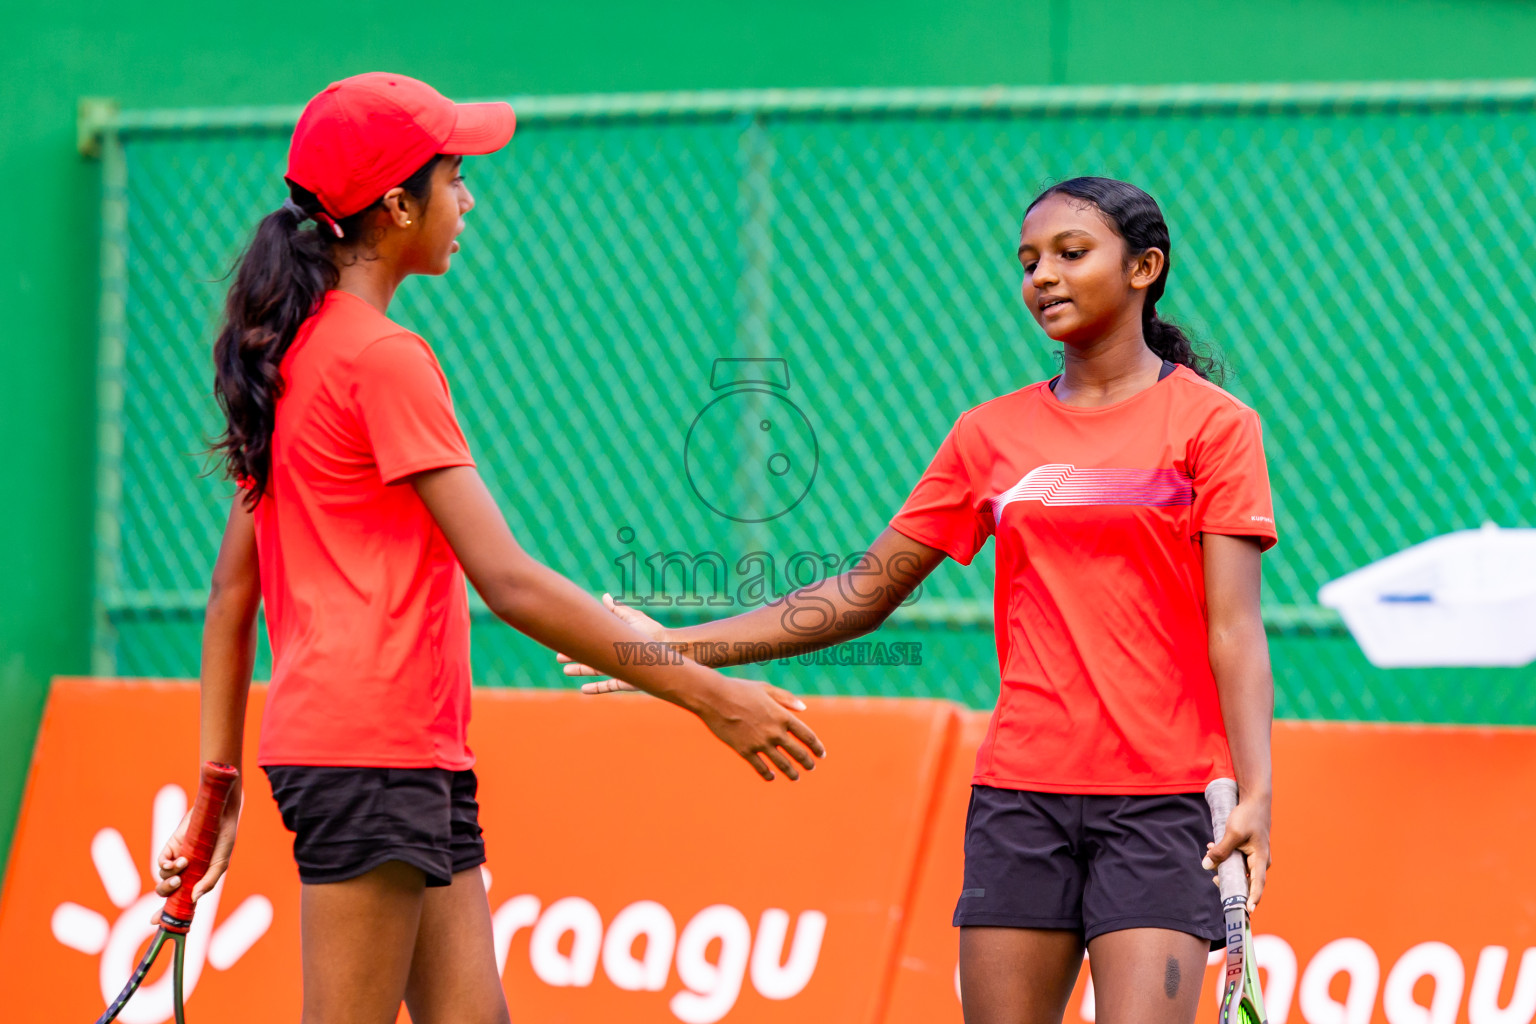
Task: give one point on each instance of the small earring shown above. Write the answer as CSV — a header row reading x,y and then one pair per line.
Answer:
x,y
407,222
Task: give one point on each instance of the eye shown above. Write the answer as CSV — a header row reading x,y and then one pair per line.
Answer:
x,y
1029,267
1074,254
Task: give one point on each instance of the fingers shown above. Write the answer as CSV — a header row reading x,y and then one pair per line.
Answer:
x,y
208,881
574,667
755,759
783,763
165,888
785,698
172,866
803,733
608,686
799,753
1258,870
1215,853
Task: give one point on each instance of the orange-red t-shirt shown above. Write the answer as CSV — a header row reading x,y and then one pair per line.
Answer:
x,y
366,605
1100,595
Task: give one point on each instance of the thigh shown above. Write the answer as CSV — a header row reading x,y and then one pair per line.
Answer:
x,y
1147,976
1017,975
1024,867
453,977
1144,870
358,937
348,820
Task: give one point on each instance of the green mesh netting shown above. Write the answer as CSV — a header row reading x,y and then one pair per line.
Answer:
x,y
1356,260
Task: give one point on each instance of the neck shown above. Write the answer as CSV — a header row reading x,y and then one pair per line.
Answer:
x,y
370,278
1108,369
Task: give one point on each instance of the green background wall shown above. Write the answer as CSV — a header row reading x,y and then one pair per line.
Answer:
x,y
170,54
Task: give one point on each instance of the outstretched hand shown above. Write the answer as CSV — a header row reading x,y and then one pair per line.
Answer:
x,y
752,720
1248,833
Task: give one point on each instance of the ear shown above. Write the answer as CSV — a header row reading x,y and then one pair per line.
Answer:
x,y
397,203
1147,267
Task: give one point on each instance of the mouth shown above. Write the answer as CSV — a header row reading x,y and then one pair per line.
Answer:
x,y
453,246
1052,303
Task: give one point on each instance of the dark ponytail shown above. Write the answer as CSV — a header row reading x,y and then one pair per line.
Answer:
x,y
1138,219
281,279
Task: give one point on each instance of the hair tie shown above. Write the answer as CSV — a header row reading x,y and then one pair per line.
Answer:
x,y
320,216
324,218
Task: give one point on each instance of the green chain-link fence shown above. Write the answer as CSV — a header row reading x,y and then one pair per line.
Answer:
x,y
1356,254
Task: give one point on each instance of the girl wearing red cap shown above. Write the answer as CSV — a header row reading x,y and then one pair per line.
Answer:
x,y
359,516
1130,501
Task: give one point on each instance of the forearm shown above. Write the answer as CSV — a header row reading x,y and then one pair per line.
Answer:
x,y
539,602
824,614
1245,686
229,652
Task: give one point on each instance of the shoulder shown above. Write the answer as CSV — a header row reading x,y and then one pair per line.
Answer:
x,y
1001,409
1208,401
351,328
397,344
396,364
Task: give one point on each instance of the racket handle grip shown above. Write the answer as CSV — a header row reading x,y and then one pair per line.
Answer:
x,y
1221,797
202,834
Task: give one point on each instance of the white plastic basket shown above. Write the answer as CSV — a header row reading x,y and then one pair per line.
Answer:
x,y
1464,598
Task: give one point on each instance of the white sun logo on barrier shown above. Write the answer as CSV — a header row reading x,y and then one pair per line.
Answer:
x,y
119,942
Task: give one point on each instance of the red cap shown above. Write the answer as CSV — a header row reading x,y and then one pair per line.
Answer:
x,y
366,134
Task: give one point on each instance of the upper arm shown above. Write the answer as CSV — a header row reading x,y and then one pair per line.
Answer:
x,y
473,525
943,508
405,410
236,571
900,564
1231,582
1231,478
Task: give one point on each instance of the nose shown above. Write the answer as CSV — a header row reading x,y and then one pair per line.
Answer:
x,y
1045,274
467,203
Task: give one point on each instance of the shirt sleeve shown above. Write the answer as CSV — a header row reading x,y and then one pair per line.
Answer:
x,y
405,409
1231,478
942,510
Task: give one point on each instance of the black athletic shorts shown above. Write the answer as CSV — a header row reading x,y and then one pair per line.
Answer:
x,y
347,821
1090,864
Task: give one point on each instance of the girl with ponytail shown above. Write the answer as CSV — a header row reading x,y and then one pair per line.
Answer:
x,y
358,517
1130,501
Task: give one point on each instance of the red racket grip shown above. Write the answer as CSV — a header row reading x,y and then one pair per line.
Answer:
x,y
202,834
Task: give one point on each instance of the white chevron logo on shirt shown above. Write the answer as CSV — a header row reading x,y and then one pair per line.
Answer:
x,y
1062,484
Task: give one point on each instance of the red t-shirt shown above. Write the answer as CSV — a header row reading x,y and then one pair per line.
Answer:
x,y
366,605
1100,596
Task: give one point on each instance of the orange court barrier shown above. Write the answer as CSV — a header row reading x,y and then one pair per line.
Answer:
x,y
639,871
1404,888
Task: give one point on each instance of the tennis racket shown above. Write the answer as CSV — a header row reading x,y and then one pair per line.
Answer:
x,y
1242,1000
176,916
